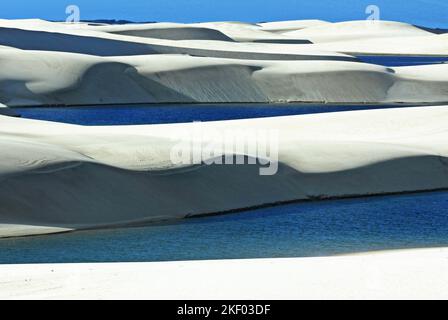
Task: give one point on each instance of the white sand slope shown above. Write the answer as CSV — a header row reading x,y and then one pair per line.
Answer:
x,y
432,45
164,30
221,31
47,36
411,274
130,172
71,79
292,25
357,30
373,37
45,63
248,32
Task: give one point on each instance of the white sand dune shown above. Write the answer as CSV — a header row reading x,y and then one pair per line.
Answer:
x,y
409,274
221,31
164,30
129,170
366,37
373,37
177,33
71,79
64,64
292,25
249,33
357,30
431,45
79,39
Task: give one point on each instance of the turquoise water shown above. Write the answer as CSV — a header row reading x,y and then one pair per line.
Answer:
x,y
295,230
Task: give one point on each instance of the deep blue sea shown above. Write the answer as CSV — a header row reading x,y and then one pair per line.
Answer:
x,y
294,230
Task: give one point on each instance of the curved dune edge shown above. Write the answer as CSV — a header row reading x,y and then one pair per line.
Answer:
x,y
129,171
47,36
290,25
47,63
75,79
363,37
403,274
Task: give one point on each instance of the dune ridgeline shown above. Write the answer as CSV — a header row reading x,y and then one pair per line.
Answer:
x,y
47,63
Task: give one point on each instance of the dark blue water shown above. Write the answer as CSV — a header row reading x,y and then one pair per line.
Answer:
x,y
156,114
296,230
401,61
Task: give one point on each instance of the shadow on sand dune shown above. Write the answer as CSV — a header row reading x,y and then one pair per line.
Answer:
x,y
95,86
184,33
51,41
96,195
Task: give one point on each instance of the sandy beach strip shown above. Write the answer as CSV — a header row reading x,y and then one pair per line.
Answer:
x,y
407,274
